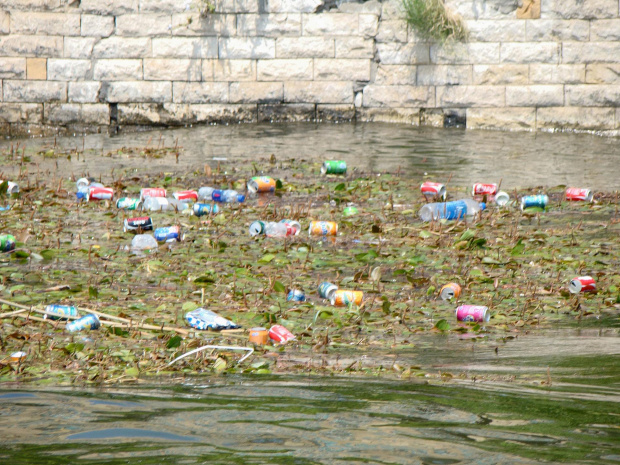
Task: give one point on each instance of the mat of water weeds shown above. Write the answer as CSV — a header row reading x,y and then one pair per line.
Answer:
x,y
517,263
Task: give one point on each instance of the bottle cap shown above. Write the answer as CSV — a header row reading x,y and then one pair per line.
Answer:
x,y
483,205
240,198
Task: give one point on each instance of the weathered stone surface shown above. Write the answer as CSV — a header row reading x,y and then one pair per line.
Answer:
x,y
396,75
167,69
504,119
373,7
97,26
124,47
206,70
389,115
32,23
117,70
240,6
433,117
5,22
305,47
177,47
398,96
269,25
136,92
30,46
330,24
480,53
34,91
368,25
335,113
403,54
529,10
36,68
542,52
234,70
79,47
109,7
554,29
603,74
59,69
318,92
83,92
617,118
534,96
470,96
192,24
223,113
443,75
484,9
557,74
590,52
12,68
284,70
392,31
235,48
574,118
153,114
293,6
200,92
592,95
76,113
354,47
164,6
21,112
496,31
500,74
286,112
605,29
341,70
139,25
30,5
256,92
579,9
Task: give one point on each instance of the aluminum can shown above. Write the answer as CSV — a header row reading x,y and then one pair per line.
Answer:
x,y
82,183
342,298
168,234
296,295
484,189
144,223
478,313
127,203
334,167
261,184
350,211
450,291
540,201
323,228
326,290
575,193
582,284
18,357
202,318
433,189
152,192
296,225
11,188
186,196
257,228
502,198
279,333
89,321
201,209
7,243
100,193
60,312
259,335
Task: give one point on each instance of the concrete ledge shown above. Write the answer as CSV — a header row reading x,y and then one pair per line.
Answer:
x,y
335,113
502,119
575,119
389,115
287,113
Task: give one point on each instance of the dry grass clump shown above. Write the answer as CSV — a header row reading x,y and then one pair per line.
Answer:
x,y
433,21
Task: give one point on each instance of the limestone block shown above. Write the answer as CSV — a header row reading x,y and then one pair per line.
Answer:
x,y
534,96
557,74
170,69
590,52
444,75
399,96
117,70
574,118
136,92
30,5
540,52
503,119
123,47
403,54
152,114
60,69
223,113
483,9
372,7
396,75
178,47
556,29
164,6
341,69
256,92
109,7
330,24
579,9
83,92
470,96
34,91
144,24
496,31
21,112
605,29
392,31
593,95
34,46
192,24
206,70
335,113
304,47
97,26
269,25
12,68
603,74
235,48
79,47
234,70
286,112
368,25
617,118
500,74
293,6
388,115
76,113
284,70
200,92
318,92
5,22
479,53
240,6
51,24
529,9
36,68
353,47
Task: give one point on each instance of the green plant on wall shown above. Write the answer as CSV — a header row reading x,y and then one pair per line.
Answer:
x,y
433,21
205,7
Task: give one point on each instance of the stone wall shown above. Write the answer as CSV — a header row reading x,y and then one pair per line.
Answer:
x,y
92,64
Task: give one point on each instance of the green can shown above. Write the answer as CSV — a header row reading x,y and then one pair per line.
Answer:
x,y
350,211
7,243
127,203
334,167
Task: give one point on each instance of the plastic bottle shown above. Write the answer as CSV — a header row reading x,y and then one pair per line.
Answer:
x,y
143,242
163,204
204,193
278,230
227,196
450,210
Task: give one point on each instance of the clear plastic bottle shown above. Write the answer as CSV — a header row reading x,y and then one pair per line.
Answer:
x,y
227,196
450,210
143,242
163,204
204,193
278,230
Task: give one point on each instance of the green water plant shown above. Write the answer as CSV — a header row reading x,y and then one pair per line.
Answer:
x,y
433,21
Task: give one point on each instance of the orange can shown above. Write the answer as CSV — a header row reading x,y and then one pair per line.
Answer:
x,y
323,228
343,298
261,184
259,335
450,291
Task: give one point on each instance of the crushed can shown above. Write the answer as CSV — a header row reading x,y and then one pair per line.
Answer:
x,y
576,194
152,192
60,312
257,228
143,223
350,211
296,225
433,189
334,167
259,336
326,290
202,209
260,184
17,357
279,333
89,321
470,313
582,284
450,291
484,189
168,234
539,201
100,193
127,203
11,187
204,319
296,295
7,242
342,298
502,198
323,228
186,196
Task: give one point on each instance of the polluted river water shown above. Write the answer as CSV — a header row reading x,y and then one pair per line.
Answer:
x,y
546,395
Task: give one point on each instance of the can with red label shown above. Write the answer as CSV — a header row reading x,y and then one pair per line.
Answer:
x,y
342,298
152,192
323,228
261,184
144,223
582,284
433,189
280,334
484,189
450,291
186,196
477,313
100,193
575,193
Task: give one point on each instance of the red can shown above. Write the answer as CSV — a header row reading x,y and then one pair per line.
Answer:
x,y
433,189
280,334
470,313
575,193
185,196
484,189
152,192
100,193
582,284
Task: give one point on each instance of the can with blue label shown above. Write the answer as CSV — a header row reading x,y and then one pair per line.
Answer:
x,y
89,321
60,312
168,234
327,290
7,242
539,201
296,295
201,209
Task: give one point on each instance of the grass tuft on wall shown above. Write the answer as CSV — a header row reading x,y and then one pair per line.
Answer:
x,y
433,21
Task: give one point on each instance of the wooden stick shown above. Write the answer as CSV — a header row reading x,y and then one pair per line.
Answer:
x,y
16,312
105,315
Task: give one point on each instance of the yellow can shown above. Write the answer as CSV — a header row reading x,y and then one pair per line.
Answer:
x,y
323,228
450,291
259,335
343,298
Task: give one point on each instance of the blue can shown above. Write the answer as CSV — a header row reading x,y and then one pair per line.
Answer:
x,y
295,295
326,290
60,312
169,234
89,321
201,209
539,201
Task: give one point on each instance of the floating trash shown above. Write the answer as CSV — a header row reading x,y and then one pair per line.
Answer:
x,y
127,203
582,284
207,319
261,184
469,313
484,189
326,290
539,201
89,321
7,242
143,223
433,189
342,298
279,333
296,295
259,335
450,291
143,242
60,312
323,228
334,167
576,194
168,234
